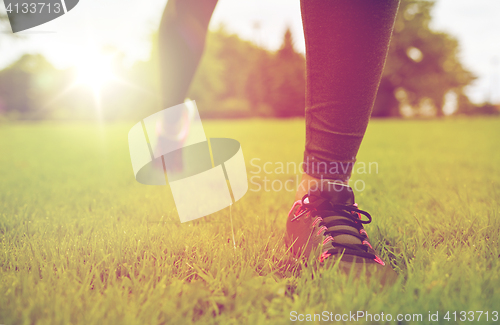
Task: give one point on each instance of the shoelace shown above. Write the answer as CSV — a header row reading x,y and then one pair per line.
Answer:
x,y
333,215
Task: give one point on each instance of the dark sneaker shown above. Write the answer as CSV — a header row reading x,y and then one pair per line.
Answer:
x,y
328,217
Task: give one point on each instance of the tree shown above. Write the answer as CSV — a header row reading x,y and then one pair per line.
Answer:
x,y
422,64
220,84
237,78
26,85
288,80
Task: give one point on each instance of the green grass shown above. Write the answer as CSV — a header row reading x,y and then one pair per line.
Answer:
x,y
81,242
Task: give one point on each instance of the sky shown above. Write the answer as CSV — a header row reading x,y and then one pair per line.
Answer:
x,y
128,25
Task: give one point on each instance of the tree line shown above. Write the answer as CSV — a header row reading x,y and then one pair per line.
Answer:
x,y
237,79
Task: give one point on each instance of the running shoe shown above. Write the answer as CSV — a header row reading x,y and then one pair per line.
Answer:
x,y
329,217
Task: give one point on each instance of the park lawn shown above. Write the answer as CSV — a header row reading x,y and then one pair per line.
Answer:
x,y
81,242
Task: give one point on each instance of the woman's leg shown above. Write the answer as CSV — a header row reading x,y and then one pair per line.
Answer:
x,y
346,47
182,34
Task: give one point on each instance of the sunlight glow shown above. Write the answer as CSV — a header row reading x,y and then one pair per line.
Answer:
x,y
95,71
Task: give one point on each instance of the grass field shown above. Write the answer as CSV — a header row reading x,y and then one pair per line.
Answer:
x,y
81,242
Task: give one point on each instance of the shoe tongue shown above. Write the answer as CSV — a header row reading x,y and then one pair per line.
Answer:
x,y
336,193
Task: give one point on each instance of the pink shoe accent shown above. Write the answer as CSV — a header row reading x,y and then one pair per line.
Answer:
x,y
318,219
327,239
294,205
367,243
379,260
363,232
320,230
300,211
324,256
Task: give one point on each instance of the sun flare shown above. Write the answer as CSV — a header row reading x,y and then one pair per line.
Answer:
x,y
94,70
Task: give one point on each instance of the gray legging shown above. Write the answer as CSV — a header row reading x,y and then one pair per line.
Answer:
x,y
346,48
